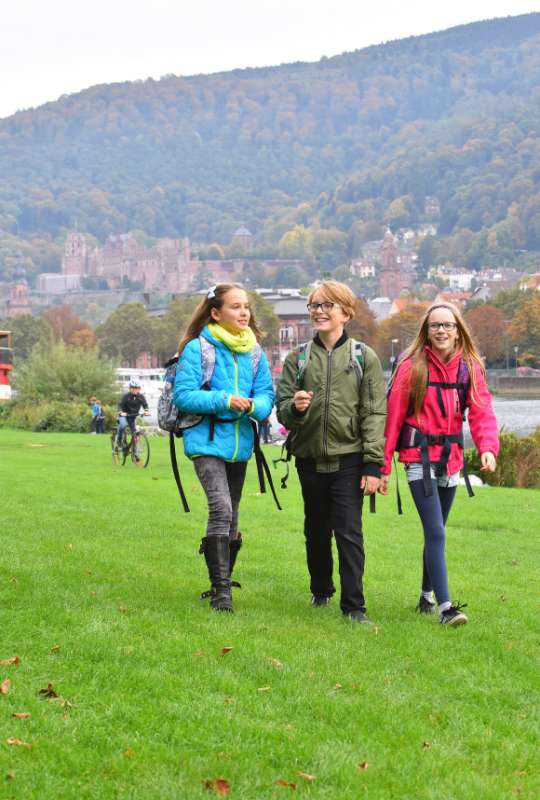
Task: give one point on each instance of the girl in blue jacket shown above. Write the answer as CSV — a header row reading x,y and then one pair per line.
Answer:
x,y
220,446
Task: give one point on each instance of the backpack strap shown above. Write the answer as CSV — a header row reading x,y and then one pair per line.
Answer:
x,y
256,354
357,359
208,360
176,473
302,358
262,465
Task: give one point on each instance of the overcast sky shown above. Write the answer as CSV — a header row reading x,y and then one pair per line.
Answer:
x,y
54,47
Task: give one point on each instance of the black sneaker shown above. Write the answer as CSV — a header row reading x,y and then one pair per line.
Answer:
x,y
454,615
357,616
319,600
425,606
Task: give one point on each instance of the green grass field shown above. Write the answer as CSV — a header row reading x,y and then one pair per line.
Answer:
x,y
100,582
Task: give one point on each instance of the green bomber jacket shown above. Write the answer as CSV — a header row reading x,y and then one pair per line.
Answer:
x,y
343,417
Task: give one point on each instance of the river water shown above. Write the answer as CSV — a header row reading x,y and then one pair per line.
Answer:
x,y
517,416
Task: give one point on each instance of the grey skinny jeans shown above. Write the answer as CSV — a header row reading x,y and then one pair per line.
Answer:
x,y
222,482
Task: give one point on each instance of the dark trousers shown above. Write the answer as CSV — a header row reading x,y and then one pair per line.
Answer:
x,y
333,503
433,511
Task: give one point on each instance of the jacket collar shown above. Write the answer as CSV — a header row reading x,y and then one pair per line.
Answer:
x,y
342,339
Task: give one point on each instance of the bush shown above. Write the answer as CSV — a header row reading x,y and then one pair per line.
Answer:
x,y
57,373
518,463
50,416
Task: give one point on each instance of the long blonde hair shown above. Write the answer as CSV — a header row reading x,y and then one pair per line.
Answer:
x,y
203,314
418,378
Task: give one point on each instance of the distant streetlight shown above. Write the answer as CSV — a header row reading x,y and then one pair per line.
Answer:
x,y
516,359
392,357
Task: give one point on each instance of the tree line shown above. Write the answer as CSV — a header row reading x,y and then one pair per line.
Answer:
x,y
308,156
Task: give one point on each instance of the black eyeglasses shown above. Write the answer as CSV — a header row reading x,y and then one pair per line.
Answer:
x,y
448,326
311,307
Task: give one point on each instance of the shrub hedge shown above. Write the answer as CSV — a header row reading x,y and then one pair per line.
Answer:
x,y
518,463
50,416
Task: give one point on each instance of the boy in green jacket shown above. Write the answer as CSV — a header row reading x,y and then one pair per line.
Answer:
x,y
332,398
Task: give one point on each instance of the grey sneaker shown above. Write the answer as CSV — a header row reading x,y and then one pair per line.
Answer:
x,y
454,615
425,606
357,616
319,600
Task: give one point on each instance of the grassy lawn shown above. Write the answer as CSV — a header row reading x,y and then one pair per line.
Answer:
x,y
99,590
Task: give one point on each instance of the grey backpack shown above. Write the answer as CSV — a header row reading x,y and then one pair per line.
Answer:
x,y
170,419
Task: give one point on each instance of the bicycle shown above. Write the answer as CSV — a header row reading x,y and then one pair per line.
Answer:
x,y
132,445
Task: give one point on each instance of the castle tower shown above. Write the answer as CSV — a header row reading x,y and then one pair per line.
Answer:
x,y
390,278
18,297
243,240
74,259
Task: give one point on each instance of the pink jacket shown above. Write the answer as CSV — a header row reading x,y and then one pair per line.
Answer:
x,y
482,421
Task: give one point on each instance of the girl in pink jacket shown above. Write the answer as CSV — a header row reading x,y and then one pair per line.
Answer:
x,y
439,376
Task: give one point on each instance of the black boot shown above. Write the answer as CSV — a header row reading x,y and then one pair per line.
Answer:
x,y
216,553
234,547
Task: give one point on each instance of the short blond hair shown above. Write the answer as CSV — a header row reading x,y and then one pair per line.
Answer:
x,y
336,292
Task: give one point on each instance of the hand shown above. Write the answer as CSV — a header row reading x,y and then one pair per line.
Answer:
x,y
385,481
302,400
369,484
238,403
123,414
488,461
146,413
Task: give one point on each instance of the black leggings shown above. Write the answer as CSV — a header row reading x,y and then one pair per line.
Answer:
x,y
434,511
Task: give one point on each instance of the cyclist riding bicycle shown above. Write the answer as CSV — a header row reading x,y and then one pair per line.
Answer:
x,y
129,407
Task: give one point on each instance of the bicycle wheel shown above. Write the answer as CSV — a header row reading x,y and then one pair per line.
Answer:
x,y
126,445
140,450
115,449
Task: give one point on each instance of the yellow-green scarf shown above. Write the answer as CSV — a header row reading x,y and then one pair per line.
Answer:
x,y
242,342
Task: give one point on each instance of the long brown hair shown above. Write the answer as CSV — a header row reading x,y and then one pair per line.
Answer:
x,y
418,378
202,315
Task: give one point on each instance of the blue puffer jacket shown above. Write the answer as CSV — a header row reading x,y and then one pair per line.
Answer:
x,y
233,375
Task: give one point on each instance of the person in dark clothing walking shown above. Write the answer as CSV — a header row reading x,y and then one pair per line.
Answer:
x,y
336,417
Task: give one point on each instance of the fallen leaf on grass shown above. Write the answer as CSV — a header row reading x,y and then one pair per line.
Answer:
x,y
5,686
17,742
123,609
288,784
198,653
10,662
264,689
54,649
14,580
129,753
338,686
10,776
426,744
225,650
363,765
275,662
21,715
375,630
69,547
218,785
48,691
306,776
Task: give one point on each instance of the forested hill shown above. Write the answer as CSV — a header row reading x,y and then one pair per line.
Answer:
x,y
357,137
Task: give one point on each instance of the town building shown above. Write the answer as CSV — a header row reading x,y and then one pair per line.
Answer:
x,y
18,302
396,267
